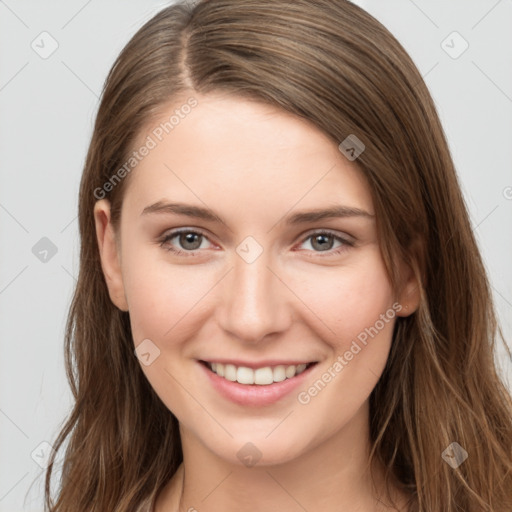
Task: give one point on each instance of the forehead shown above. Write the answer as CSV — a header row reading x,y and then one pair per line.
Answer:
x,y
232,151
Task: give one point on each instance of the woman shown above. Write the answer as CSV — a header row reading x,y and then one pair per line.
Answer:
x,y
281,304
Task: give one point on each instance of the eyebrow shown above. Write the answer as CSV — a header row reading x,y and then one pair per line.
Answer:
x,y
300,217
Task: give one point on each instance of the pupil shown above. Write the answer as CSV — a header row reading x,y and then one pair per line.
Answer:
x,y
323,240
190,238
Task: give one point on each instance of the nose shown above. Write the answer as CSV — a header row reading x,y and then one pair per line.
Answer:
x,y
253,302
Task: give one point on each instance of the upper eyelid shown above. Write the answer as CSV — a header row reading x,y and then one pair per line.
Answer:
x,y
303,237
178,231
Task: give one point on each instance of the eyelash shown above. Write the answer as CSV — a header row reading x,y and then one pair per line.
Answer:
x,y
164,242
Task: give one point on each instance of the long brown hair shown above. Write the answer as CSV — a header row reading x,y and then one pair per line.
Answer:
x,y
329,62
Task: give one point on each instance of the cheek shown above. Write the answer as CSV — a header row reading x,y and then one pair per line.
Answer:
x,y
356,304
166,304
349,299
163,298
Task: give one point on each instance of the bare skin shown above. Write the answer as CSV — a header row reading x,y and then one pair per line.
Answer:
x,y
303,298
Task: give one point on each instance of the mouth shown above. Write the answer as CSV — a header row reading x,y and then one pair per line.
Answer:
x,y
260,376
257,385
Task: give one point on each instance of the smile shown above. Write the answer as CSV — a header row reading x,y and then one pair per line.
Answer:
x,y
262,385
259,376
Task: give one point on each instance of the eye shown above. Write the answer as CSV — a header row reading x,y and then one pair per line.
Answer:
x,y
185,242
188,239
323,241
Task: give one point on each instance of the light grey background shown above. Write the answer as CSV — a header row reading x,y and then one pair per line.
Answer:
x,y
47,110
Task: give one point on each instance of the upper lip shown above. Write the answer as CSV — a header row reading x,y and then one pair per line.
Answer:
x,y
258,364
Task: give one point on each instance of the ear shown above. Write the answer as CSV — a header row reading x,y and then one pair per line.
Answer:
x,y
109,254
409,297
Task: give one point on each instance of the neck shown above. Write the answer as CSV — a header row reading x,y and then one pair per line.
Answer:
x,y
331,476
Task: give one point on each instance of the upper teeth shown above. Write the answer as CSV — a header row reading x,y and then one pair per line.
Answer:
x,y
262,376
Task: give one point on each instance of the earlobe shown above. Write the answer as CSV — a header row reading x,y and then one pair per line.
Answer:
x,y
413,277
410,295
109,254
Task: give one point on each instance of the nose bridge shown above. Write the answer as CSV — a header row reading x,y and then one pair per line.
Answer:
x,y
253,301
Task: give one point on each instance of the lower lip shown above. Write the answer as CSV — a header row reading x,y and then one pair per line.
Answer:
x,y
254,394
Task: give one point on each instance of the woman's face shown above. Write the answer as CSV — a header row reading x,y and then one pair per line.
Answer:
x,y
259,278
